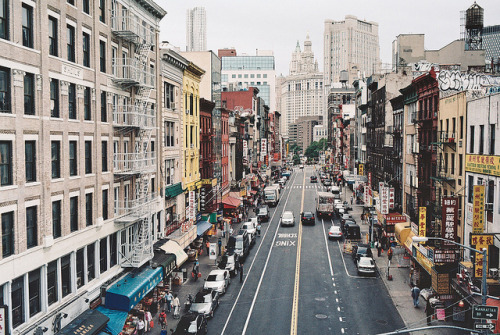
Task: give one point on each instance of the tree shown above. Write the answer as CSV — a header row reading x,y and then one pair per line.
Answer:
x,y
294,147
296,159
315,148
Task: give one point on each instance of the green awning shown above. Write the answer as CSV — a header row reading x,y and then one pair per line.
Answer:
x,y
173,190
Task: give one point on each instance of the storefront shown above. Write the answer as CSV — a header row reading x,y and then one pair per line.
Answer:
x,y
90,322
202,227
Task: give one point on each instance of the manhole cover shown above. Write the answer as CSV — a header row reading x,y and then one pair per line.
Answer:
x,y
382,322
321,316
320,299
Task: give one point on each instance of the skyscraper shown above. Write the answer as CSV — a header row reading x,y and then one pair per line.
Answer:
x,y
196,29
350,45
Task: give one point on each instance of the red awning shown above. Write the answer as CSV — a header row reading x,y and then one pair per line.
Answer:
x,y
230,202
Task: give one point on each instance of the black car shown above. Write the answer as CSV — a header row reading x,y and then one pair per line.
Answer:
x,y
191,323
361,250
263,214
314,179
205,302
307,217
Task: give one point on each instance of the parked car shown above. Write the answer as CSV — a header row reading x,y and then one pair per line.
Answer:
x,y
239,243
314,179
230,262
301,166
263,214
334,232
346,217
351,231
205,302
366,266
251,229
361,250
307,217
218,280
287,219
191,323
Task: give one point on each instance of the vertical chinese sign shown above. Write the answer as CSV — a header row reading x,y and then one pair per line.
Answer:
x,y
478,214
384,196
479,242
361,169
449,220
391,197
422,220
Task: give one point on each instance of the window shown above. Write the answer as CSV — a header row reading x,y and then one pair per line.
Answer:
x,y
102,56
29,94
88,157
87,107
169,171
452,163
492,139
90,262
73,213
114,52
52,282
116,194
191,104
30,160
71,43
168,95
471,189
88,209
460,164
4,90
17,296
471,148
5,163
34,292
491,192
27,26
56,159
31,227
72,101
481,139
54,98
103,255
80,280
104,109
169,134
53,49
71,2
56,218
104,156
65,275
113,257
7,234
102,11
86,49
4,19
105,204
73,163
86,6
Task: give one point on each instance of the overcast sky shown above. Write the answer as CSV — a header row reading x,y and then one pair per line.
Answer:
x,y
278,24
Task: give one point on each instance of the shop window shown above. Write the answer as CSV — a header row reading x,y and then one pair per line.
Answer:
x,y
34,292
66,275
31,227
52,282
17,297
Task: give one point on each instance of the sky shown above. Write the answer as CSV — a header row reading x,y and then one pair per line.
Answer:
x,y
277,25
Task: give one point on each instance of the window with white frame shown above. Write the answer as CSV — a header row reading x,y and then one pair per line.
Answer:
x,y
169,171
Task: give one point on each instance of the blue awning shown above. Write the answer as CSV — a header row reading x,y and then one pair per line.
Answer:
x,y
116,320
202,227
130,290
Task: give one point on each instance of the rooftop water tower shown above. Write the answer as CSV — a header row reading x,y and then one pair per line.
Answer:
x,y
474,22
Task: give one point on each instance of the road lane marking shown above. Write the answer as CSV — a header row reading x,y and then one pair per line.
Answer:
x,y
251,265
327,250
295,304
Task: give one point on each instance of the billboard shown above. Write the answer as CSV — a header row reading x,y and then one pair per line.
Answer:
x,y
478,211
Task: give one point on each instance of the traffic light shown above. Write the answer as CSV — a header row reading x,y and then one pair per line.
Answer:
x,y
203,195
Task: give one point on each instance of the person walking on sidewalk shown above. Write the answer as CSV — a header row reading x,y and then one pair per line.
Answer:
x,y
207,245
168,301
415,292
389,254
176,305
163,319
379,248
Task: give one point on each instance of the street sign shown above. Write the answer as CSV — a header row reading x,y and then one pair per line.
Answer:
x,y
484,312
489,326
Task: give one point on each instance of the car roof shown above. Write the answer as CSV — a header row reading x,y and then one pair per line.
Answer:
x,y
287,213
336,227
217,272
365,259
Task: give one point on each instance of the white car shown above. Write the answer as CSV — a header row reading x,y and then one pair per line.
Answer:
x,y
218,280
334,232
251,229
366,266
287,219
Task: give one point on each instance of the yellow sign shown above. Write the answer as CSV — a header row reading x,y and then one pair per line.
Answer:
x,y
489,165
214,182
243,192
480,242
424,261
422,221
361,169
206,181
478,210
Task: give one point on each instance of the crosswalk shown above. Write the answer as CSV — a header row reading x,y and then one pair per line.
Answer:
x,y
319,187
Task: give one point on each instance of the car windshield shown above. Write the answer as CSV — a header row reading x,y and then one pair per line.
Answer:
x,y
239,245
202,298
366,262
247,226
213,278
362,250
308,215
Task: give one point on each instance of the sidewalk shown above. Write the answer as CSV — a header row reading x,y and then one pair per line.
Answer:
x,y
399,287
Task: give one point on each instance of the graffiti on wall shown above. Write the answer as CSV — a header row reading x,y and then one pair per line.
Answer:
x,y
461,81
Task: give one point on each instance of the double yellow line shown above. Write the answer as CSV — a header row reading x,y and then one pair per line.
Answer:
x,y
295,304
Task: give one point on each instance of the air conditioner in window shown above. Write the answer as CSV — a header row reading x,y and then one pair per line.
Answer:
x,y
416,181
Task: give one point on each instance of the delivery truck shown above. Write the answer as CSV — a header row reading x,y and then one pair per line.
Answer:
x,y
272,195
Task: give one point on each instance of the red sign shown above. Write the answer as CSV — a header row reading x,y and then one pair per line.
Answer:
x,y
369,177
449,225
394,218
391,197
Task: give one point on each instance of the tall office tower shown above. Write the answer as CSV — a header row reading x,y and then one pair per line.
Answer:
x,y
301,92
351,45
196,29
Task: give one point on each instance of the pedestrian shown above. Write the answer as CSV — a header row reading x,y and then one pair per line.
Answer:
x,y
163,319
196,269
168,300
176,305
219,243
428,312
415,292
379,248
230,230
207,245
258,228
241,272
140,326
351,199
389,254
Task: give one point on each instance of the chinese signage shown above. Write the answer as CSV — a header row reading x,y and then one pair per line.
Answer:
x,y
422,221
361,169
449,226
384,200
424,261
478,213
394,218
245,149
440,282
192,210
480,242
263,149
366,199
446,255
391,198
369,179
489,165
3,319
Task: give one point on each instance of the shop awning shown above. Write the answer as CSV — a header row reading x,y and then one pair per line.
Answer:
x,y
116,320
167,261
230,202
202,227
128,291
409,241
89,322
173,190
172,247
401,231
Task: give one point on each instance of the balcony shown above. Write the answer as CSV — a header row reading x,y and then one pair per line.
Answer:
x,y
134,163
128,211
132,72
133,116
129,28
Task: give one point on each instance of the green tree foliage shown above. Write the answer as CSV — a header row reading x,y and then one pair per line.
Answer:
x,y
315,148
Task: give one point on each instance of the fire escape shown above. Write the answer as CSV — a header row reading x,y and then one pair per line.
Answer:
x,y
138,121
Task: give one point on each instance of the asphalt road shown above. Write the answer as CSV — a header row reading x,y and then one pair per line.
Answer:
x,y
298,282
